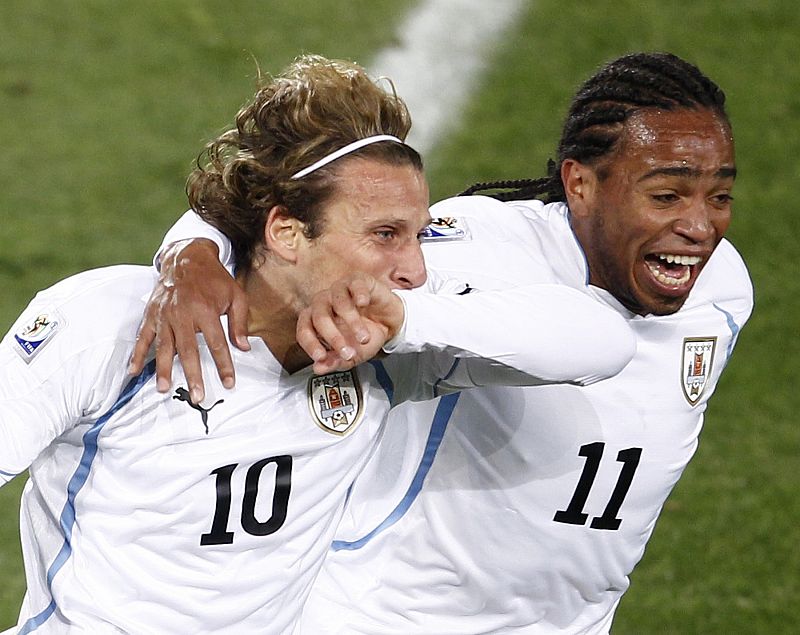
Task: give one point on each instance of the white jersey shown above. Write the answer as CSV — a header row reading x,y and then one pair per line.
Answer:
x,y
146,514
524,510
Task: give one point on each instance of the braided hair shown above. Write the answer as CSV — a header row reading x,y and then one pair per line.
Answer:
x,y
603,104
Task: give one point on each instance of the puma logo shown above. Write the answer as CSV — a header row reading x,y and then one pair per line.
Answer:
x,y
181,394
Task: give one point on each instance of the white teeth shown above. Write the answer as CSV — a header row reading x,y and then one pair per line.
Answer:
x,y
673,282
680,260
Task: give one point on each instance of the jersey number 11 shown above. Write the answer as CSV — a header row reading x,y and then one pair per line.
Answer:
x,y
574,514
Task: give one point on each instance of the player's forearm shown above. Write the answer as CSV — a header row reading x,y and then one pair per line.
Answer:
x,y
549,332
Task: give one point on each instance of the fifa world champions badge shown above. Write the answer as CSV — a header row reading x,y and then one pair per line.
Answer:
x,y
33,336
696,363
444,229
335,401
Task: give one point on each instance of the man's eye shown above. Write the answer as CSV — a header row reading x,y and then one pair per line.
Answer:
x,y
385,234
722,199
668,197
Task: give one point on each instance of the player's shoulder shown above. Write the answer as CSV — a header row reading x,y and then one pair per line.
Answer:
x,y
725,279
99,293
516,242
483,218
89,307
486,207
726,273
467,206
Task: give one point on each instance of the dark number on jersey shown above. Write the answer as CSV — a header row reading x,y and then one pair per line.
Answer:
x,y
574,514
219,534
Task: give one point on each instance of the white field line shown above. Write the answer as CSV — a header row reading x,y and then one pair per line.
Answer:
x,y
443,48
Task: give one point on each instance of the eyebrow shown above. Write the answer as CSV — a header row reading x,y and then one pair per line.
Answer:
x,y
399,222
722,173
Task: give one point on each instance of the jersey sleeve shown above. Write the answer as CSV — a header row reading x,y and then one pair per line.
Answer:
x,y
31,412
189,226
539,334
57,368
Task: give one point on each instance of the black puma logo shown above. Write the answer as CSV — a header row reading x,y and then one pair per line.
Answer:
x,y
181,394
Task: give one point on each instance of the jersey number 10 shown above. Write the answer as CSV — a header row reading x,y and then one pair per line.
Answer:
x,y
219,534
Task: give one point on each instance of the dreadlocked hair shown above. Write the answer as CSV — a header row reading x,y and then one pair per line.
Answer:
x,y
596,118
520,189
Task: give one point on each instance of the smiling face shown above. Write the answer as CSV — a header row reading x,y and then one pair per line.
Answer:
x,y
649,216
372,224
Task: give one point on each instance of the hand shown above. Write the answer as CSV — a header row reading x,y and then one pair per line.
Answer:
x,y
193,291
349,323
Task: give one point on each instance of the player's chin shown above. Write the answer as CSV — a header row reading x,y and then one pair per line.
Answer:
x,y
666,306
659,303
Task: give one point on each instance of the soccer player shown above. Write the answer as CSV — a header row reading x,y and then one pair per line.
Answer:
x,y
152,512
524,510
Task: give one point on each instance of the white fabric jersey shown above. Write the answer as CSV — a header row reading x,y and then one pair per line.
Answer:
x,y
524,510
145,514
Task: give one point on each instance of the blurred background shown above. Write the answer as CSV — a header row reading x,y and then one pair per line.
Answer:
x,y
105,104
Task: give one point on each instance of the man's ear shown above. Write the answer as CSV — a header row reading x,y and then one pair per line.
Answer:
x,y
580,183
283,234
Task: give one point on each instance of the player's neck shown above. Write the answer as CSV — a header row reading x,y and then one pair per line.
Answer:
x,y
272,316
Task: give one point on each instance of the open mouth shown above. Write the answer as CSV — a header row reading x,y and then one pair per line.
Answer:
x,y
672,270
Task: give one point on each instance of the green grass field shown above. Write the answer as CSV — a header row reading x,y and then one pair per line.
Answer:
x,y
105,104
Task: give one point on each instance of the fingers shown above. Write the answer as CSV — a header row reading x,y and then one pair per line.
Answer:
x,y
220,353
336,321
335,330
324,360
144,338
185,345
165,351
308,339
194,290
361,288
332,363
344,303
237,319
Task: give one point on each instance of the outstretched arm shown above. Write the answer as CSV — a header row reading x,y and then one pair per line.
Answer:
x,y
548,333
551,332
193,291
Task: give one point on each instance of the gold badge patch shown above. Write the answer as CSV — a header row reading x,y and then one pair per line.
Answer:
x,y
696,363
335,401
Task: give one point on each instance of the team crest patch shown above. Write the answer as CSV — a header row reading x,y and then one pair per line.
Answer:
x,y
33,336
445,228
335,401
696,363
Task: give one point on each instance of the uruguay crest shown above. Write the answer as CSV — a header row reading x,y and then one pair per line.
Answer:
x,y
696,363
335,401
36,333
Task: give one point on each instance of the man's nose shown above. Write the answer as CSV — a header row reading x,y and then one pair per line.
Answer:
x,y
409,271
697,222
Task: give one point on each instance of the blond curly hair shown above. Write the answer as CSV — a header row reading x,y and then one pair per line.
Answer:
x,y
313,108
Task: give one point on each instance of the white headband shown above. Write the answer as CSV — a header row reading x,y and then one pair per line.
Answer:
x,y
350,147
